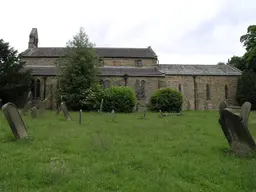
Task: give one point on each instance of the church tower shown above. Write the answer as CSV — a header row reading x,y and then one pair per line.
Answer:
x,y
33,38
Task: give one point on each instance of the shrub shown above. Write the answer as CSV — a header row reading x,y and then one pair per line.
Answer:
x,y
120,99
246,88
166,100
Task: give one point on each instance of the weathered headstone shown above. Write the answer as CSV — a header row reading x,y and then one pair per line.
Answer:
x,y
33,112
235,130
245,112
59,108
101,105
113,115
27,107
15,121
30,96
42,107
65,111
80,116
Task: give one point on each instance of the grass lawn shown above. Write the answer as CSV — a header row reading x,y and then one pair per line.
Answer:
x,y
182,153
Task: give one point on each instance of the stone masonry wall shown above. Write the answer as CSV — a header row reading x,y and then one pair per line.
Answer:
x,y
128,62
217,90
107,61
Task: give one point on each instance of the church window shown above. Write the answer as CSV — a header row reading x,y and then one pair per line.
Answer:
x,y
226,92
138,63
208,92
179,88
38,87
142,89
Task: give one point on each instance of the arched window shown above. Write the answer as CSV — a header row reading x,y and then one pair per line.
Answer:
x,y
38,85
32,87
208,92
142,89
137,88
226,92
179,88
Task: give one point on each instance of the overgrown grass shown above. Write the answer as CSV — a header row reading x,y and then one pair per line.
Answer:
x,y
179,153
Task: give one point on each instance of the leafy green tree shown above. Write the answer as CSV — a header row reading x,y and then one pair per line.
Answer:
x,y
14,79
238,62
220,63
246,88
78,71
249,42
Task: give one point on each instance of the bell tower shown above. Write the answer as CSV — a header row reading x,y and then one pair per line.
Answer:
x,y
33,38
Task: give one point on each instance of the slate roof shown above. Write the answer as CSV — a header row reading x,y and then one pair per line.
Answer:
x,y
105,71
104,52
214,70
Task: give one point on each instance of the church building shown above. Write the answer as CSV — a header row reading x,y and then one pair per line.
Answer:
x,y
203,87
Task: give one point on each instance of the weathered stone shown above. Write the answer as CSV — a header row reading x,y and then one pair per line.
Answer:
x,y
235,131
33,112
15,121
80,116
27,107
65,111
42,107
101,105
245,112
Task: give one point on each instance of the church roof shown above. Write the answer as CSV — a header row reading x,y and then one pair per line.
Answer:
x,y
214,70
104,71
104,52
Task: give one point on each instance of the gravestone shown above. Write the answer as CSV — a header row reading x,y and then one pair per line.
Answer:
x,y
80,116
42,107
245,113
65,111
101,105
235,130
33,112
30,96
27,107
15,121
113,115
59,108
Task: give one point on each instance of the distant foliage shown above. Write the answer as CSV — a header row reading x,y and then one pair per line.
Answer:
x,y
167,100
238,62
246,88
93,97
14,79
120,99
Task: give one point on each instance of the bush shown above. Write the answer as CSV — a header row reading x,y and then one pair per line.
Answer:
x,y
246,88
120,99
166,100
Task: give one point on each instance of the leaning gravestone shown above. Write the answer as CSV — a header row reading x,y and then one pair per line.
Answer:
x,y
14,120
59,108
33,112
235,130
65,111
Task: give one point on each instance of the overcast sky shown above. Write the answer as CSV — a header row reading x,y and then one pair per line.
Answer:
x,y
179,31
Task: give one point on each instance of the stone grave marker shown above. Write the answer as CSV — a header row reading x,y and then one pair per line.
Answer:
x,y
113,115
42,107
15,121
234,128
59,108
27,107
101,105
33,112
245,113
80,116
65,111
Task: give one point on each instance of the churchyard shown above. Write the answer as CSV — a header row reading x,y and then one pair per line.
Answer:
x,y
99,151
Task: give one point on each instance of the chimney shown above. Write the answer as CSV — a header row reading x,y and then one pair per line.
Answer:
x,y
33,38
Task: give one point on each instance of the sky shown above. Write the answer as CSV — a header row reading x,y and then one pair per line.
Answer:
x,y
179,31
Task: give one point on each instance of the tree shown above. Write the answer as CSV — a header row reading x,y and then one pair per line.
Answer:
x,y
238,62
249,42
220,63
78,71
14,79
246,88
